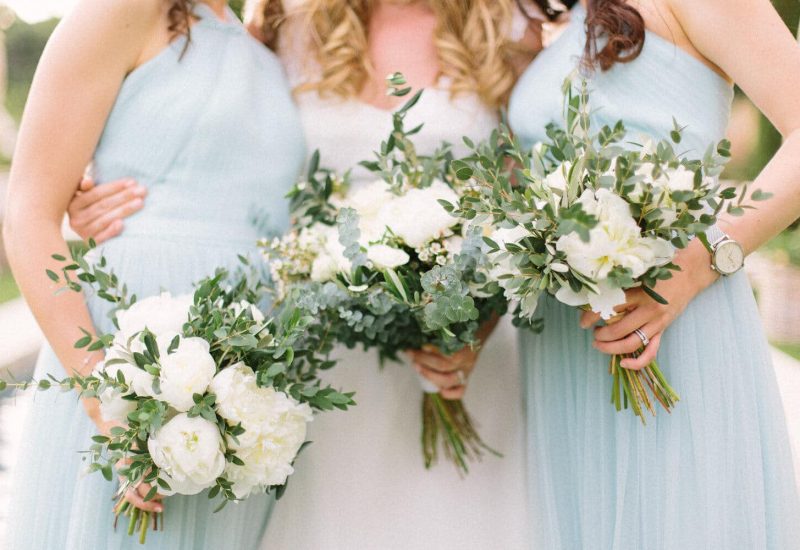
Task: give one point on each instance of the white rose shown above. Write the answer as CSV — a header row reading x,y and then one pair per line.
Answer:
x,y
417,217
386,257
189,452
186,371
159,314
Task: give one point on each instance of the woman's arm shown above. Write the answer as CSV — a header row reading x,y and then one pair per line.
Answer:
x,y
748,41
75,86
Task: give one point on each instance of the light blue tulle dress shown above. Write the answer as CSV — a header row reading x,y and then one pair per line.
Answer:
x,y
717,472
215,138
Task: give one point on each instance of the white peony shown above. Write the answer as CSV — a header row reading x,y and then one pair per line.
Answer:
x,y
138,380
417,217
330,258
386,257
274,424
615,242
159,314
114,407
186,371
602,300
189,452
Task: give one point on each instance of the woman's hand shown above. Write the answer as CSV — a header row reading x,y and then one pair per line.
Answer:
x,y
136,495
96,212
651,318
448,372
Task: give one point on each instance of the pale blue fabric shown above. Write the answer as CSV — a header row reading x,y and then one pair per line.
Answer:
x,y
215,138
717,472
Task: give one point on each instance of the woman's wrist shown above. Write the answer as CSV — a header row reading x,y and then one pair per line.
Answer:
x,y
695,260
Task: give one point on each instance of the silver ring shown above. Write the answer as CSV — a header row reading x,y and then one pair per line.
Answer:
x,y
462,379
642,336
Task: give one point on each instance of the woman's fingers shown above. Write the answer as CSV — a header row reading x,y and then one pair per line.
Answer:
x,y
629,344
454,394
113,229
104,221
589,318
86,184
648,355
120,198
136,497
444,381
435,361
89,194
623,326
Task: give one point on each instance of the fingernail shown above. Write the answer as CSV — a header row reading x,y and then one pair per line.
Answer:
x,y
625,364
140,191
137,203
130,183
159,509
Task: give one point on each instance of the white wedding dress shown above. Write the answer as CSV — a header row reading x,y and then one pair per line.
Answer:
x,y
362,483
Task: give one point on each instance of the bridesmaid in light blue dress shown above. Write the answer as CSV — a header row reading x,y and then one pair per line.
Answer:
x,y
212,132
717,472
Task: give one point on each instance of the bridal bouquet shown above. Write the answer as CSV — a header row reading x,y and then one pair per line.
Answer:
x,y
203,391
585,216
385,266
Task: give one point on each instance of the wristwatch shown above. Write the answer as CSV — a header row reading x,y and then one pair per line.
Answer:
x,y
727,255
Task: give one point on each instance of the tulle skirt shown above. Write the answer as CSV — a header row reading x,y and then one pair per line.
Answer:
x,y
716,473
55,503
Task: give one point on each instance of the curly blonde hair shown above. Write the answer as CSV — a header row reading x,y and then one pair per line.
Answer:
x,y
472,40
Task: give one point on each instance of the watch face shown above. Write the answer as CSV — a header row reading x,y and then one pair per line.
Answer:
x,y
729,257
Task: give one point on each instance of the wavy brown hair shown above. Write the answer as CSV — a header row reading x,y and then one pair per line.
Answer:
x,y
471,39
180,16
614,31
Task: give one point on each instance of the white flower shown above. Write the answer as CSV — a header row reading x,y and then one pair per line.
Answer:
x,y
189,452
113,406
244,305
558,180
615,242
159,314
138,380
386,257
274,424
602,301
186,371
330,259
417,217
453,245
501,260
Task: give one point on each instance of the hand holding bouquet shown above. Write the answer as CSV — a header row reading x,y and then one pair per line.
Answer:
x,y
585,216
385,266
203,391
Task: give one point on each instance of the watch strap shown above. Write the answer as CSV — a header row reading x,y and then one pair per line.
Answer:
x,y
715,235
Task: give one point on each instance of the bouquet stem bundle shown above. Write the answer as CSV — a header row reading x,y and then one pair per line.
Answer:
x,y
630,387
138,520
449,418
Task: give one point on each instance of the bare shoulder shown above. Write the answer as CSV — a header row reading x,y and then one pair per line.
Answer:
x,y
127,16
